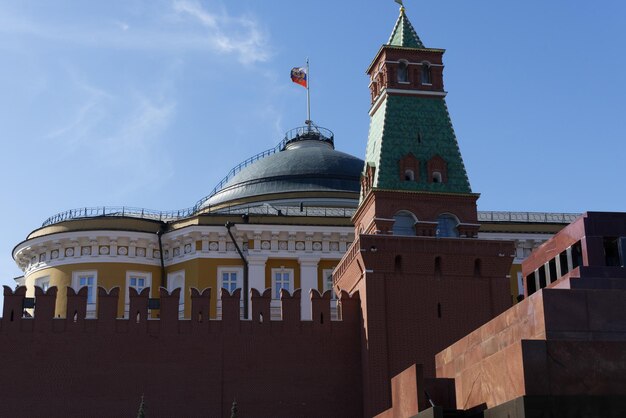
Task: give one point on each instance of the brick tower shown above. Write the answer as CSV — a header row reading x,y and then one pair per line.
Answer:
x,y
424,278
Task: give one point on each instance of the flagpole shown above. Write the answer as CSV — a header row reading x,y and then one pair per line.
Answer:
x,y
308,95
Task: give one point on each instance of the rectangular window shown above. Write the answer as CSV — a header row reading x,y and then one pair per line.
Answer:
x,y
328,282
138,283
175,281
138,280
229,281
88,279
281,279
230,278
43,283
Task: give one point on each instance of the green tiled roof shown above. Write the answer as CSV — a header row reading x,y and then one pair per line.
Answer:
x,y
394,131
403,33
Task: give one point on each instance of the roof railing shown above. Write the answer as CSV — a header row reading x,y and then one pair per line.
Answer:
x,y
538,217
265,209
174,215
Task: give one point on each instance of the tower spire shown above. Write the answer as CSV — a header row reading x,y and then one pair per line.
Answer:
x,y
403,33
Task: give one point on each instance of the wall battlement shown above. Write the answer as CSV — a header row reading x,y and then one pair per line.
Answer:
x,y
15,319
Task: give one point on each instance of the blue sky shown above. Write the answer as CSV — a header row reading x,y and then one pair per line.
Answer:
x,y
148,103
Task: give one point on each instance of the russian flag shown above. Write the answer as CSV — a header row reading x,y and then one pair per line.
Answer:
x,y
298,76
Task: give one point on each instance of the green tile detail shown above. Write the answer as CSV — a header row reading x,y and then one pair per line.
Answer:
x,y
403,33
394,131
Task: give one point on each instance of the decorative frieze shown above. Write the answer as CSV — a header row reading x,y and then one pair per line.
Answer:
x,y
143,248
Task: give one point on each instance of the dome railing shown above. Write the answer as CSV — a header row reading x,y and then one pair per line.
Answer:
x,y
302,133
308,133
233,171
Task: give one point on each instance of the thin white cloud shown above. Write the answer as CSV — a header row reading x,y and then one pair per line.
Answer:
x,y
130,149
90,112
239,35
195,9
166,29
135,153
122,25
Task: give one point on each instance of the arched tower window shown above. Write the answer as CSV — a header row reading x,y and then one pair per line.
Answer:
x,y
403,72
437,177
426,73
447,226
409,175
404,224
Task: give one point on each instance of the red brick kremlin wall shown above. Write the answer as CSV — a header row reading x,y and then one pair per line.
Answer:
x,y
194,367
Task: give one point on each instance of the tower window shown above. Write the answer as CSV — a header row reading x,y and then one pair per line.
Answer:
x,y
403,72
409,175
437,177
447,226
426,74
404,224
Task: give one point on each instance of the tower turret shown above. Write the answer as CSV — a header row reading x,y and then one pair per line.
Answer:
x,y
413,162
415,260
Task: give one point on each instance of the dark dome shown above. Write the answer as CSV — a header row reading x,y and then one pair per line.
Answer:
x,y
305,167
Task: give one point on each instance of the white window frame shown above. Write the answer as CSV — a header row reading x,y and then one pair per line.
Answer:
x,y
137,274
326,273
282,271
180,274
239,283
229,270
76,276
43,282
